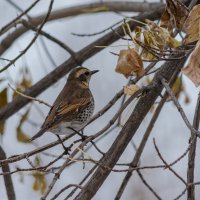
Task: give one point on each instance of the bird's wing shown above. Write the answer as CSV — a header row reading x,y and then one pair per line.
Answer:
x,y
65,111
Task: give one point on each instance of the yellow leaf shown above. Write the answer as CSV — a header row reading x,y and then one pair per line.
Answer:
x,y
36,185
192,69
192,25
21,136
24,83
177,87
3,102
138,33
129,63
149,41
131,89
40,182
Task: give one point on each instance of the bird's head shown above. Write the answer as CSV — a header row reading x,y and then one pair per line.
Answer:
x,y
81,75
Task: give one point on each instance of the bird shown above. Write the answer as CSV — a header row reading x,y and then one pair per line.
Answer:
x,y
73,107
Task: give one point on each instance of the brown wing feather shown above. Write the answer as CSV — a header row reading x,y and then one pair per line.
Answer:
x,y
67,107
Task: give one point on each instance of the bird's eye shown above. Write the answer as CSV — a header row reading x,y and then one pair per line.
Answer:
x,y
87,73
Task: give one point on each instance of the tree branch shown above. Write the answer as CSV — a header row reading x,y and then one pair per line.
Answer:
x,y
7,178
79,10
129,129
69,64
192,153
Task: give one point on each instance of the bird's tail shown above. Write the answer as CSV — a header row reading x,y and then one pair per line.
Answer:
x,y
38,134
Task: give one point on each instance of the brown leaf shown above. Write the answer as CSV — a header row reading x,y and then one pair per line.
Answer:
x,y
3,102
165,21
131,89
161,36
192,69
192,25
129,63
174,16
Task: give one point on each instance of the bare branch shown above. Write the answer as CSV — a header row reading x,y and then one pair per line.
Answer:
x,y
64,68
7,177
192,153
124,6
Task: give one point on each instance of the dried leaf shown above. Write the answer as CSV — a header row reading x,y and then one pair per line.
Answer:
x,y
187,99
138,34
24,83
174,16
149,40
165,21
129,63
40,182
192,69
177,87
161,36
21,136
131,89
192,25
3,102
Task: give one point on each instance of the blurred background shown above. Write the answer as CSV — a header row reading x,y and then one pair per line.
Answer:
x,y
170,132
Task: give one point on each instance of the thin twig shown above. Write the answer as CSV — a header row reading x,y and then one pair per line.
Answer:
x,y
167,166
29,97
32,41
13,22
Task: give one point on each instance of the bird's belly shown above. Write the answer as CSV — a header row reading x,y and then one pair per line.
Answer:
x,y
66,128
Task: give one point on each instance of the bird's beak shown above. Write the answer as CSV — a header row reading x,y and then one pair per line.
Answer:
x,y
94,72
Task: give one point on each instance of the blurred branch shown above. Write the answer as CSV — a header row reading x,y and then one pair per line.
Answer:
x,y
33,152
48,36
7,178
192,153
147,185
140,149
32,41
180,109
65,188
90,8
69,64
167,165
29,97
13,22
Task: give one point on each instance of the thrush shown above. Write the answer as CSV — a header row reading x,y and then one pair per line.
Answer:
x,y
73,107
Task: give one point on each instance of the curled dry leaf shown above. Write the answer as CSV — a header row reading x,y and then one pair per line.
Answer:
x,y
192,25
162,36
129,63
131,89
192,69
174,16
